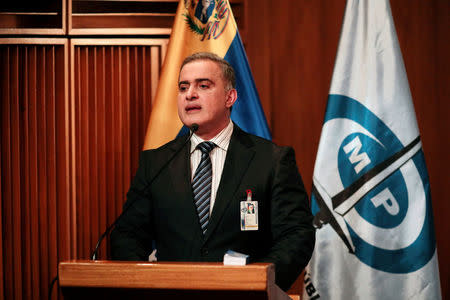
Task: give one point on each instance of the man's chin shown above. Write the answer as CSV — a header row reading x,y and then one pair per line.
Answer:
x,y
192,120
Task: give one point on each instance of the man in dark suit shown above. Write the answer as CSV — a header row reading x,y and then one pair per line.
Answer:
x,y
186,224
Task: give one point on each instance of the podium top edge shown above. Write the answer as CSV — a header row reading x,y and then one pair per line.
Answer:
x,y
163,264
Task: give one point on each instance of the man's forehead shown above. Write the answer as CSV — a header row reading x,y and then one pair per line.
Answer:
x,y
197,67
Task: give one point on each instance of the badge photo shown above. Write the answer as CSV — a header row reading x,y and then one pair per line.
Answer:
x,y
249,213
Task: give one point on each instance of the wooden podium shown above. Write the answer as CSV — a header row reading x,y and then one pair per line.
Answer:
x,y
85,279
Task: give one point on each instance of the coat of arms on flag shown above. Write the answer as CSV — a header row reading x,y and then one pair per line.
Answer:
x,y
201,20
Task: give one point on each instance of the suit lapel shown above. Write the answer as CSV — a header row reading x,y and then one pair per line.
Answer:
x,y
239,156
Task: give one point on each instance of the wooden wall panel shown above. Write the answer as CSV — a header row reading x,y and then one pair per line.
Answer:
x,y
113,87
34,167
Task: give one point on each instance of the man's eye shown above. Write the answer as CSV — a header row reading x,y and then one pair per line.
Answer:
x,y
204,86
182,88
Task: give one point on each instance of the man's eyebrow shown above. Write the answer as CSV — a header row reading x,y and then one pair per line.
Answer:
x,y
196,80
183,82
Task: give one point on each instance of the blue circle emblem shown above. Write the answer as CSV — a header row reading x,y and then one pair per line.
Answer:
x,y
380,144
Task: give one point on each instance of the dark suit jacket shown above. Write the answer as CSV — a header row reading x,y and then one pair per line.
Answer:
x,y
165,210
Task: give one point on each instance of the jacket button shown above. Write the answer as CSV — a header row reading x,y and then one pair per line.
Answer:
x,y
204,251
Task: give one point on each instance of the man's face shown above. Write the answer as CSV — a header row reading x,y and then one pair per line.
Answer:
x,y
202,98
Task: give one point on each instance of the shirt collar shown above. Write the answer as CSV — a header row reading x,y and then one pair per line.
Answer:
x,y
222,139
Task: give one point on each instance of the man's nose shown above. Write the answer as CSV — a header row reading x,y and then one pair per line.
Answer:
x,y
191,93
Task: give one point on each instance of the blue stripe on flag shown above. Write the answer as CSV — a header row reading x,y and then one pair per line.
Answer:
x,y
247,112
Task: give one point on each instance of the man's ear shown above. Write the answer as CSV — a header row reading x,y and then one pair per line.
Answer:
x,y
231,98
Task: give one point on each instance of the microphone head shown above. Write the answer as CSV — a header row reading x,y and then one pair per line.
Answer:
x,y
194,127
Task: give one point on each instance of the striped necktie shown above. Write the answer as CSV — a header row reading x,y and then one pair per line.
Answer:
x,y
201,185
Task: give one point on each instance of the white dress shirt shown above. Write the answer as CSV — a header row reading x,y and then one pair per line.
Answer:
x,y
217,155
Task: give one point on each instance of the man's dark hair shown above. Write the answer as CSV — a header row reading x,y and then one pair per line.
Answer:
x,y
227,70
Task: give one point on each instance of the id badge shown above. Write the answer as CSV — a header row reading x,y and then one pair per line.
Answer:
x,y
249,213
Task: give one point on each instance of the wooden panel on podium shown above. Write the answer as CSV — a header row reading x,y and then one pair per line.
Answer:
x,y
132,280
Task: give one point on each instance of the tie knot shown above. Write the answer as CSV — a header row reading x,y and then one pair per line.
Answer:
x,y
206,147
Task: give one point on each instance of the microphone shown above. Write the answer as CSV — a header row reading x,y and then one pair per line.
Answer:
x,y
194,128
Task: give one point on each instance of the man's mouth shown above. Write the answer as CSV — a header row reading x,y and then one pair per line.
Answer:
x,y
192,108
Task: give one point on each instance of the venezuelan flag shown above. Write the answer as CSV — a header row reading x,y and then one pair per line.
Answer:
x,y
204,26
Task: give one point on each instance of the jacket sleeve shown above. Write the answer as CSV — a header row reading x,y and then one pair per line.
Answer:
x,y
132,236
293,234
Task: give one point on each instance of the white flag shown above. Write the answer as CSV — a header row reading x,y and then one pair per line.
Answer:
x,y
371,197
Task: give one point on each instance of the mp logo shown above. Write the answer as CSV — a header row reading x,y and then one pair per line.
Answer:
x,y
382,209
